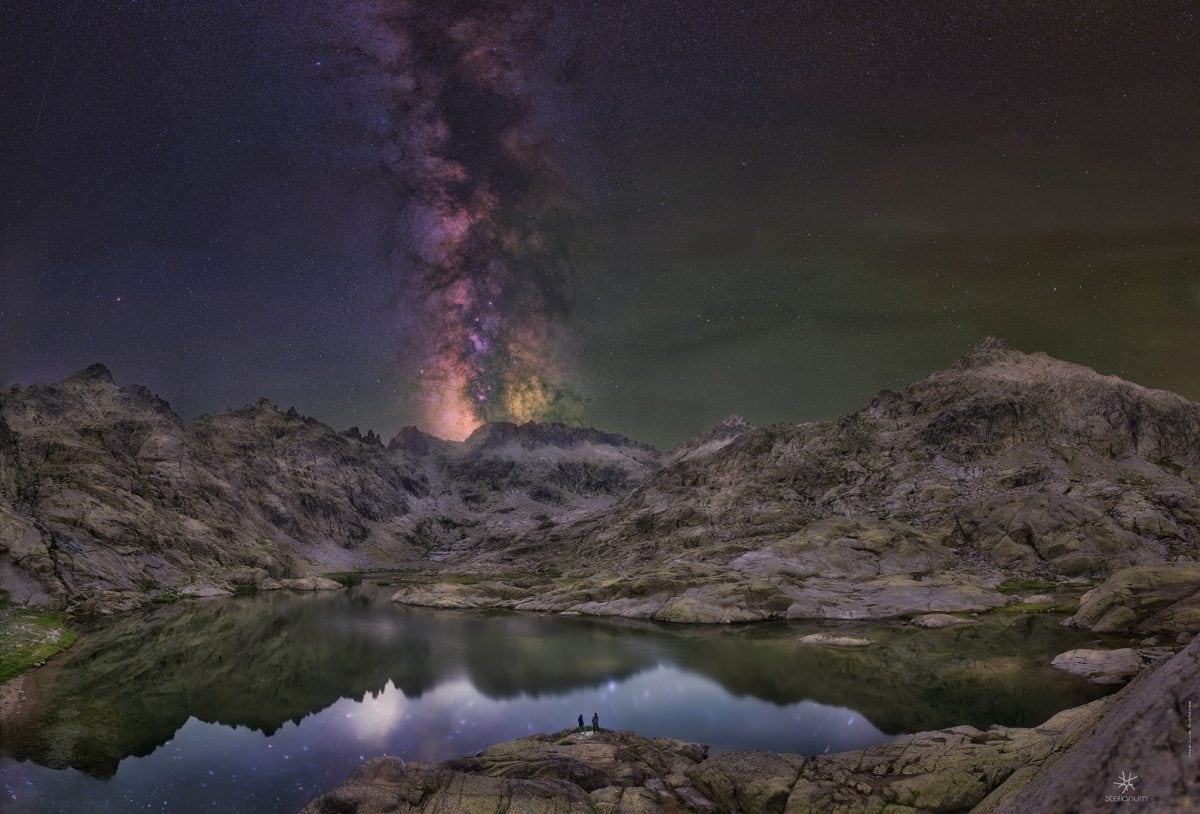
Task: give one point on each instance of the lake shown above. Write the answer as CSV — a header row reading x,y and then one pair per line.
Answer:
x,y
260,703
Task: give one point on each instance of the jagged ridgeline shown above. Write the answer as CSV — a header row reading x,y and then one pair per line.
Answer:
x,y
1006,465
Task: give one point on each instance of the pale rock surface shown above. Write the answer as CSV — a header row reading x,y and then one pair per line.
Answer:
x,y
835,640
939,620
310,584
1100,666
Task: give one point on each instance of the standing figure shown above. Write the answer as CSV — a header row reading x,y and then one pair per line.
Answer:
x,y
595,722
581,727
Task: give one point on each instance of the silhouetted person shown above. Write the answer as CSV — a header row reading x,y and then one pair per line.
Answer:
x,y
595,722
581,726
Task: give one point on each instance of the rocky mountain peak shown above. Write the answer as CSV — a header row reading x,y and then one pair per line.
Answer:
x,y
93,373
734,425
711,441
986,351
548,433
370,437
410,439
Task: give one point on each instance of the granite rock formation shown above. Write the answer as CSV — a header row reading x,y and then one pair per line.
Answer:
x,y
108,499
1005,468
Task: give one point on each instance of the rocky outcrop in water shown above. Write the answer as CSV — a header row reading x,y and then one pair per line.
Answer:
x,y
1100,666
1067,764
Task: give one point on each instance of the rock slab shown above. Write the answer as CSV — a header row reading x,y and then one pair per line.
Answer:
x,y
1100,666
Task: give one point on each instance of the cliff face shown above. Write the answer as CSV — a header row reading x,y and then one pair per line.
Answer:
x,y
1004,464
107,497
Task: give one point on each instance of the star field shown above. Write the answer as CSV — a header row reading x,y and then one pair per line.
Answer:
x,y
684,210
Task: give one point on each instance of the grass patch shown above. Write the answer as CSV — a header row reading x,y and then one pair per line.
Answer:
x,y
1015,586
1034,607
29,637
459,579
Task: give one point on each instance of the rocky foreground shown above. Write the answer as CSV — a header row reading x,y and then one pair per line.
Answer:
x,y
1068,764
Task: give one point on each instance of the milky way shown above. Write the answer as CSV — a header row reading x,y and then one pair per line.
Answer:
x,y
379,212
462,101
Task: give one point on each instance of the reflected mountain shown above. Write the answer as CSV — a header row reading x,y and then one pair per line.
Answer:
x,y
261,661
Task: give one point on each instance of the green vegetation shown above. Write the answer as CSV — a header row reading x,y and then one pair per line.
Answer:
x,y
1171,466
29,637
1014,586
349,579
1034,607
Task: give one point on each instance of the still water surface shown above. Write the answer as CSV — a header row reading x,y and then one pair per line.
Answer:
x,y
261,703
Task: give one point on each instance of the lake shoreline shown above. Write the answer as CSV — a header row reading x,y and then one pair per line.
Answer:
x,y
1066,760
249,681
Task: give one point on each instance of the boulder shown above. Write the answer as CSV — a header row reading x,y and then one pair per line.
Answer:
x,y
835,640
1100,666
750,781
1144,599
446,595
310,584
204,590
940,620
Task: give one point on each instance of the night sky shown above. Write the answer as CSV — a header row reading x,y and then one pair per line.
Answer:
x,y
640,216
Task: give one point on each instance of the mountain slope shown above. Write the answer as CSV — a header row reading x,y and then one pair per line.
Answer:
x,y
1020,460
107,498
1004,464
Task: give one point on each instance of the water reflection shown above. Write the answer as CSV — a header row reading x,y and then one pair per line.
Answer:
x,y
260,703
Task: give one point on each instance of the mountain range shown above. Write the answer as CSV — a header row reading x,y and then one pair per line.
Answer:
x,y
1004,466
